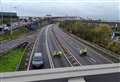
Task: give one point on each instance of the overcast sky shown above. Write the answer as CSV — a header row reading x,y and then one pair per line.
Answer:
x,y
103,9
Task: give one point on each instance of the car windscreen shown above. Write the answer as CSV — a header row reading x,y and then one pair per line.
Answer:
x,y
37,58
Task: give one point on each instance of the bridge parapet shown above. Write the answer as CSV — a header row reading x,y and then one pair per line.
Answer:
x,y
58,73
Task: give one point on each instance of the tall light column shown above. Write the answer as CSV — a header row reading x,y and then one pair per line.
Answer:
x,y
1,11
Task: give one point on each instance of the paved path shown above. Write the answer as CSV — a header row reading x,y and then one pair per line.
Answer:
x,y
8,45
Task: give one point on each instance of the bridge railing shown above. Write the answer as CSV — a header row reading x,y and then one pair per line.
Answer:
x,y
58,73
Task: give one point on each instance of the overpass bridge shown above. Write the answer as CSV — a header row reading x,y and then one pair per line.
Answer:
x,y
73,74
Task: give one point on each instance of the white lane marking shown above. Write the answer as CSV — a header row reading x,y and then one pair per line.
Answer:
x,y
47,48
70,51
92,50
33,49
63,51
93,59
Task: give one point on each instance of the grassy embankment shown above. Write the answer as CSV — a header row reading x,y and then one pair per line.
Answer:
x,y
95,33
10,60
15,34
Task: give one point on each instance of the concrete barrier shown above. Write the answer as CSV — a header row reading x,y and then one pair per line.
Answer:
x,y
58,73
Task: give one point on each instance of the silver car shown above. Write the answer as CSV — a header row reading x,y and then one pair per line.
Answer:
x,y
37,60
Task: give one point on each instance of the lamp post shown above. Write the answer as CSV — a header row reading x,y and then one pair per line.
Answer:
x,y
1,12
11,25
11,19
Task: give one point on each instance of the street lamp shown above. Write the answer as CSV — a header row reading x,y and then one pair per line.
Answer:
x,y
1,12
11,20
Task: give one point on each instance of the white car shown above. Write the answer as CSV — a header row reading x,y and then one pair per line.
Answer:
x,y
83,51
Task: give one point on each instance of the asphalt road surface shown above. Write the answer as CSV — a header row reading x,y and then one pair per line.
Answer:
x,y
73,45
54,36
41,47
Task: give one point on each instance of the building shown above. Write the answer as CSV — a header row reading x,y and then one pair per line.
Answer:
x,y
8,15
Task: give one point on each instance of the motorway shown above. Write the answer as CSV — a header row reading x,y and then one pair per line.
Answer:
x,y
74,46
47,45
40,47
51,38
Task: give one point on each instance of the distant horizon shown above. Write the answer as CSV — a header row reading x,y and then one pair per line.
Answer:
x,y
72,16
95,9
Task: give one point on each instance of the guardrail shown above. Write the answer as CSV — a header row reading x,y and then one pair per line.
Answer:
x,y
58,73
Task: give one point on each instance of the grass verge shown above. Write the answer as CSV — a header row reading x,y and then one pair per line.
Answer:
x,y
16,33
10,60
